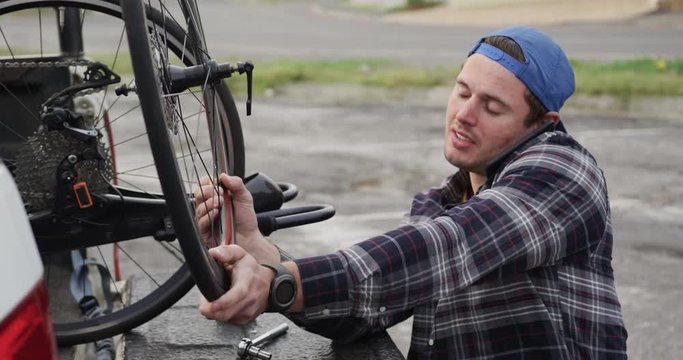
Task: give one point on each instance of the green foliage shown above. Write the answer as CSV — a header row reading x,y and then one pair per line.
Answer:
x,y
622,78
629,78
382,73
641,65
420,4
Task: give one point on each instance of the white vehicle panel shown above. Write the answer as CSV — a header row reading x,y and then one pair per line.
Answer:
x,y
20,265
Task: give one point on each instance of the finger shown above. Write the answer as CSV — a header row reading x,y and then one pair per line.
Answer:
x,y
228,306
227,254
205,308
204,192
242,319
202,209
250,310
237,187
206,222
205,183
208,180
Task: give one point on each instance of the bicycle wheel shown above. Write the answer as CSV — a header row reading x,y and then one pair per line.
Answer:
x,y
149,68
115,117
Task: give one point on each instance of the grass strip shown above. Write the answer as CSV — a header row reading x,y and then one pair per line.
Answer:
x,y
622,78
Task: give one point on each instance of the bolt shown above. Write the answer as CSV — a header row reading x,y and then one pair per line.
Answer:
x,y
280,330
72,158
248,347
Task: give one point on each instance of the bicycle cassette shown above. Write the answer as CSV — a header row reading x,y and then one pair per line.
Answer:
x,y
38,161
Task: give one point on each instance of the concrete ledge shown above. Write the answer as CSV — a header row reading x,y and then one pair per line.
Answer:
x,y
182,333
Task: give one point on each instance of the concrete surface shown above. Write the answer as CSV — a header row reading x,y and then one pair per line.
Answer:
x,y
368,159
180,333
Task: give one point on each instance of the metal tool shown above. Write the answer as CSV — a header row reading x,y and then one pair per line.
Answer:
x,y
248,347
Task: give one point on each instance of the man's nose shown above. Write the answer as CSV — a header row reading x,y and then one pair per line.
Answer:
x,y
467,112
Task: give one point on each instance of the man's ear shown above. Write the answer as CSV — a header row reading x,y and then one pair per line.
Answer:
x,y
553,116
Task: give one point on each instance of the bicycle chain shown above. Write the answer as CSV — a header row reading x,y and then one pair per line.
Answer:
x,y
43,64
6,64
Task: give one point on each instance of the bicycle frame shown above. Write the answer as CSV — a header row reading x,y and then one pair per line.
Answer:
x,y
125,213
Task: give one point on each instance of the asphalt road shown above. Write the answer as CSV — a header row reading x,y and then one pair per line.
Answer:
x,y
310,29
260,30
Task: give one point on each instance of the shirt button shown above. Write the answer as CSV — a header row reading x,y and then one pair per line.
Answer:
x,y
326,312
431,342
382,309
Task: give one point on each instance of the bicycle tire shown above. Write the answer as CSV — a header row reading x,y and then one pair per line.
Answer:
x,y
173,289
209,276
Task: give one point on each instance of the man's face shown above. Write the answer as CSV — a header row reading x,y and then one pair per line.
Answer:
x,y
485,114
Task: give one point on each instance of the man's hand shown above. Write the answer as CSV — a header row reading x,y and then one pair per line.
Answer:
x,y
209,199
248,294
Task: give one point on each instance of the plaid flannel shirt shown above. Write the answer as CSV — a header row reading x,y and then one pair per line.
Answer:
x,y
521,270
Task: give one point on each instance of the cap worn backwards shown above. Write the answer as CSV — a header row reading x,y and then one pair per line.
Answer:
x,y
546,70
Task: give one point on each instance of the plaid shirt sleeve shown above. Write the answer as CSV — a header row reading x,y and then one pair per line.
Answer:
x,y
547,206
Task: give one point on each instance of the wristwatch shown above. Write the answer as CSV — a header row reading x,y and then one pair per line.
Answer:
x,y
282,289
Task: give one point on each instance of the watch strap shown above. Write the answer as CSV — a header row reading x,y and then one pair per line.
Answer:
x,y
282,289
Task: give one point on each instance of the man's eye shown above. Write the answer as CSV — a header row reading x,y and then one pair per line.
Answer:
x,y
492,111
463,95
493,108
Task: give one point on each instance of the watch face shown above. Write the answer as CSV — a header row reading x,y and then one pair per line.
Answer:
x,y
285,292
282,289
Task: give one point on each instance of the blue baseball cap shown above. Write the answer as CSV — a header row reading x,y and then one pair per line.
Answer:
x,y
546,70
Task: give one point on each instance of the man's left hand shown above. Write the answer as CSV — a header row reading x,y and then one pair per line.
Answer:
x,y
249,291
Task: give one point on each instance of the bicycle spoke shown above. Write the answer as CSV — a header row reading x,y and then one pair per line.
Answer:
x,y
186,131
106,266
152,164
113,67
9,48
40,30
139,266
173,250
140,189
142,176
211,179
120,116
12,130
11,93
130,139
182,151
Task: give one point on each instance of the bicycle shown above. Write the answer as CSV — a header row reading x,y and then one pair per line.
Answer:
x,y
67,131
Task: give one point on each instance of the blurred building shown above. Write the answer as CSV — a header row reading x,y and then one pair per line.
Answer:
x,y
662,5
510,12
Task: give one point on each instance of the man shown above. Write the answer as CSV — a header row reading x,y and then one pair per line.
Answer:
x,y
509,258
